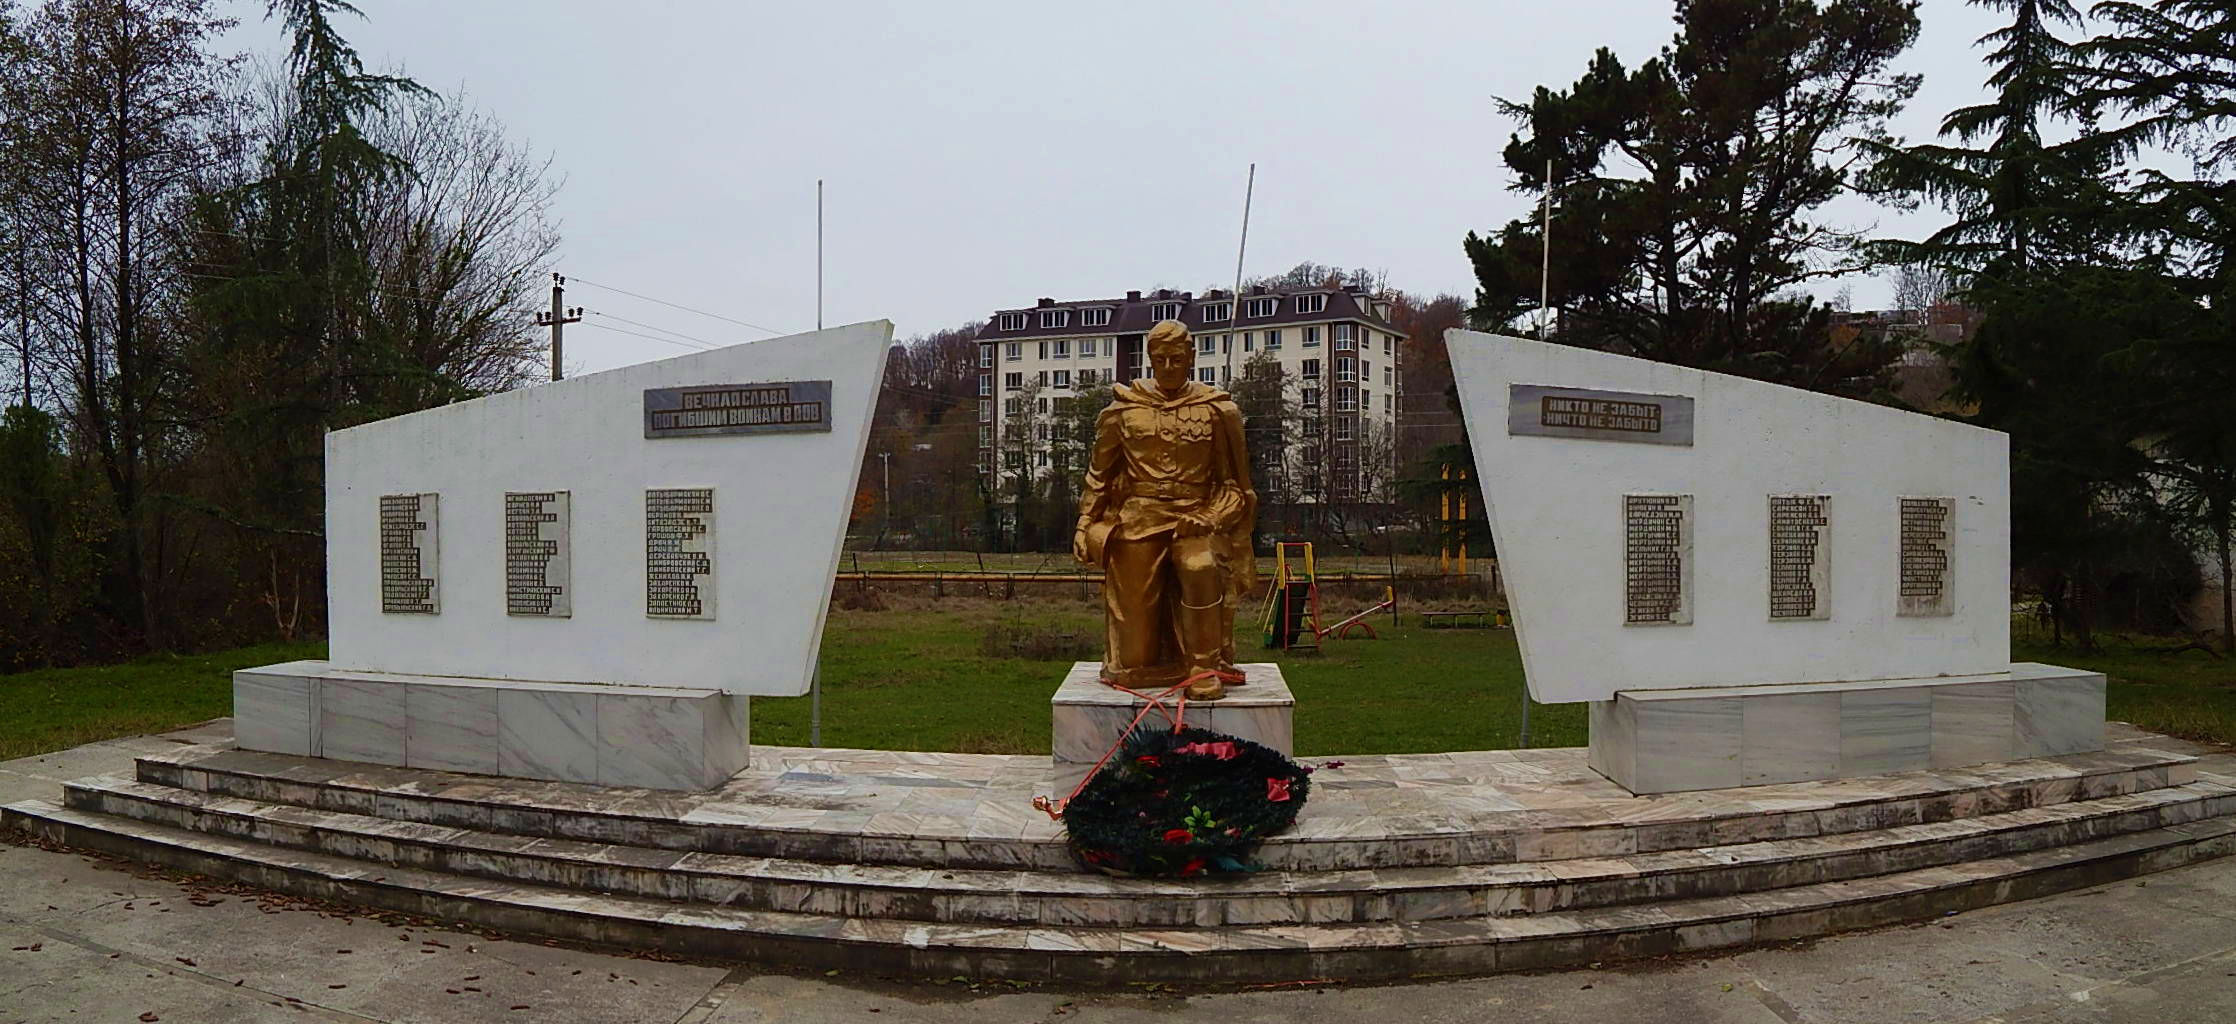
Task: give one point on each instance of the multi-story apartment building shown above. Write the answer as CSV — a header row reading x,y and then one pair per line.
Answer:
x,y
1339,354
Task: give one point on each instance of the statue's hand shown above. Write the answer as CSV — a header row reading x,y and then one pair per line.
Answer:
x,y
1079,543
1191,525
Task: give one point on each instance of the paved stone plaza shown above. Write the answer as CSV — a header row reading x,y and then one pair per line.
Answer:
x,y
114,943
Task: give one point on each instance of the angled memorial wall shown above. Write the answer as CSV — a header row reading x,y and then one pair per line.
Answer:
x,y
584,579
1709,558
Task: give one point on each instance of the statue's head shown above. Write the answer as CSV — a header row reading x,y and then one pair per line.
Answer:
x,y
1172,354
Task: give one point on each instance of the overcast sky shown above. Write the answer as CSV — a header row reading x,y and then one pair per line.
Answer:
x,y
980,155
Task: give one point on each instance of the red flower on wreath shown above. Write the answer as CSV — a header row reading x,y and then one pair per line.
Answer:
x,y
1224,750
1194,867
1180,836
1277,790
1148,761
1098,856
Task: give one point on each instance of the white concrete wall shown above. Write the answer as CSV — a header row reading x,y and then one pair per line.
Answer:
x,y
781,507
1555,514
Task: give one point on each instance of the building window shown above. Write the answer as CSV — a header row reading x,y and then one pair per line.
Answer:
x,y
1012,405
1164,311
985,437
1061,379
1226,373
985,410
1388,344
1041,458
1311,336
1013,350
1044,407
985,383
1207,345
1386,402
1094,317
1013,381
1344,370
1311,398
1055,318
1086,378
1311,369
1389,376
1260,307
1040,431
1311,303
1040,378
1087,345
1063,349
1217,311
1342,429
985,355
1207,374
1273,339
1366,401
1346,400
1343,339
1249,339
1013,321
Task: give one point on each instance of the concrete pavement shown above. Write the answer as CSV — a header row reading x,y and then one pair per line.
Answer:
x,y
83,939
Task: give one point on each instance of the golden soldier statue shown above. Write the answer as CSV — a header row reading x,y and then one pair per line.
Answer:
x,y
1167,512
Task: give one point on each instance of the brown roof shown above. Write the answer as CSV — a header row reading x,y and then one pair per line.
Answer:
x,y
1131,315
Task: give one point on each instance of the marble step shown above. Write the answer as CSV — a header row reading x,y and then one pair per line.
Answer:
x,y
1230,954
1074,897
780,822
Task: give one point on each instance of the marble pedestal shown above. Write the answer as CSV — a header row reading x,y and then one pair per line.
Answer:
x,y
1668,741
1086,716
654,737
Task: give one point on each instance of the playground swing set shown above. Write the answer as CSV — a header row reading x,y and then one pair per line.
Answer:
x,y
1292,610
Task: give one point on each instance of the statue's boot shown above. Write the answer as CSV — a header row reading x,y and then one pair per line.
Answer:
x,y
1202,629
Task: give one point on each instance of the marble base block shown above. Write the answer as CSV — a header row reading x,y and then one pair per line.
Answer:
x,y
1669,741
653,737
1087,716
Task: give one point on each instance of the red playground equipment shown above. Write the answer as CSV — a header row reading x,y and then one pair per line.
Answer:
x,y
1292,612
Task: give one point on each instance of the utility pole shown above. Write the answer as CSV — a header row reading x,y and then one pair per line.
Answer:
x,y
559,317
887,459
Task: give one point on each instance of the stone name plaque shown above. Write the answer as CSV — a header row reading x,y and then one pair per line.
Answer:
x,y
408,554
774,407
679,553
1543,411
1800,556
1657,559
1928,541
537,557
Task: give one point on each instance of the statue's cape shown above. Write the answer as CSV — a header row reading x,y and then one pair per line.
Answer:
x,y
1146,393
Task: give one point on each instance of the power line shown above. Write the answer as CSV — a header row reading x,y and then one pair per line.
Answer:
x,y
676,305
647,337
701,342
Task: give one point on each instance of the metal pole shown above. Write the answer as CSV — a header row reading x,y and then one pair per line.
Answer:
x,y
1545,269
818,254
887,459
1234,311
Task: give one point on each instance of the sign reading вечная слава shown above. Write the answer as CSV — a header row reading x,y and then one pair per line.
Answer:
x,y
770,407
1543,411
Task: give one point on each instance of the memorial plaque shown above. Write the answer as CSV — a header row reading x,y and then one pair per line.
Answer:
x,y
1800,556
1657,559
1539,410
679,553
537,555
408,552
773,407
1928,540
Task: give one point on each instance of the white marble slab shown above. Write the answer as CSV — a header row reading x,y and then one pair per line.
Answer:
x,y
1665,741
451,728
654,737
1086,717
360,721
275,711
547,735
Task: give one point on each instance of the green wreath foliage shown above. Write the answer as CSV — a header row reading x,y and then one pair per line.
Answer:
x,y
1184,803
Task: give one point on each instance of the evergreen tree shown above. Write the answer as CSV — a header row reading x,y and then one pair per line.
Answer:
x,y
1739,131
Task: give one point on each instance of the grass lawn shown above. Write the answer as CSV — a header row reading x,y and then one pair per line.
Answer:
x,y
922,678
918,680
51,709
